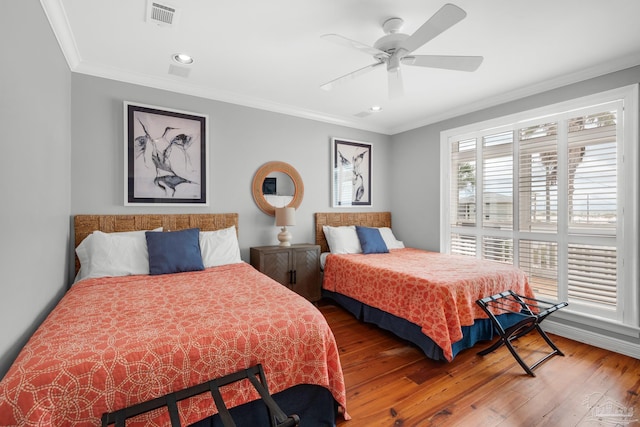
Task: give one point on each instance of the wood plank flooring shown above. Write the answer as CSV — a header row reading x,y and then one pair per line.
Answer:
x,y
391,383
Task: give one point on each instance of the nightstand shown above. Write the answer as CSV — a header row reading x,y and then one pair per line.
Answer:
x,y
297,267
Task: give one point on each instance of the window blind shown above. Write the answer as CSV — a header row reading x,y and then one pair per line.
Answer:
x,y
538,177
560,224
463,244
497,249
497,181
463,188
540,261
593,274
592,169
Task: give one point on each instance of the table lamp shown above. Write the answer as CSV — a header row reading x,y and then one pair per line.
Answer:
x,y
285,217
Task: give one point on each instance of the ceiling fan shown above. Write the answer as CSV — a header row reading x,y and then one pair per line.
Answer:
x,y
395,48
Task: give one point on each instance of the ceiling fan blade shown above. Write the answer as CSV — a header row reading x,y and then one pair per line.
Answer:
x,y
352,75
460,63
343,41
443,19
396,89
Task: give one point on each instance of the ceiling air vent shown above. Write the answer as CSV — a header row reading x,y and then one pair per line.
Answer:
x,y
161,13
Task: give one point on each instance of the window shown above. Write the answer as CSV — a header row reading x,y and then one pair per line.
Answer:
x,y
553,191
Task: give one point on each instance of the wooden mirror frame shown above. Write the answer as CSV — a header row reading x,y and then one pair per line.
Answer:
x,y
267,169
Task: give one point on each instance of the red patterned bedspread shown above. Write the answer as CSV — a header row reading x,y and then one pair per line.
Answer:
x,y
436,291
114,342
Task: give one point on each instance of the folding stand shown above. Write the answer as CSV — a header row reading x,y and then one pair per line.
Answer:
x,y
533,311
277,418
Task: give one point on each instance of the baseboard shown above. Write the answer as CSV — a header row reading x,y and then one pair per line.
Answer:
x,y
592,338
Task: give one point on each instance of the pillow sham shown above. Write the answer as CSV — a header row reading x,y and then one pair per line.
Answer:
x,y
390,239
371,240
219,247
113,254
342,240
174,251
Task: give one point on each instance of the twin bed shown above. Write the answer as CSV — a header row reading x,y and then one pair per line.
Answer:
x,y
122,335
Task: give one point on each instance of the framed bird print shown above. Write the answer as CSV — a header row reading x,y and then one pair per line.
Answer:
x,y
350,173
166,157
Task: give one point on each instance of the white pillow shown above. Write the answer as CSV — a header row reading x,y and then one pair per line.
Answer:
x,y
342,240
113,254
220,247
389,239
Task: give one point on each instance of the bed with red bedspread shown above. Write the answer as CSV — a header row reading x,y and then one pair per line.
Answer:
x,y
112,342
436,291
428,298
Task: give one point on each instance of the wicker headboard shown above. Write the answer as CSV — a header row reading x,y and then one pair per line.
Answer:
x,y
87,224
336,219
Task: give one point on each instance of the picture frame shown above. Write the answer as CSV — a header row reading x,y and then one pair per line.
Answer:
x,y
270,186
351,173
166,156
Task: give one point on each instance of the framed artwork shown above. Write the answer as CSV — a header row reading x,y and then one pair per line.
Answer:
x,y
270,186
166,157
350,173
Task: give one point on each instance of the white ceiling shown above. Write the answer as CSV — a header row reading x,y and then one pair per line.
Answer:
x,y
269,54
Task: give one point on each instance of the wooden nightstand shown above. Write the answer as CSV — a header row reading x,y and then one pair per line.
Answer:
x,y
297,267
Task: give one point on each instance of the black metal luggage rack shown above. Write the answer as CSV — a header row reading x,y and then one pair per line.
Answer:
x,y
277,417
533,311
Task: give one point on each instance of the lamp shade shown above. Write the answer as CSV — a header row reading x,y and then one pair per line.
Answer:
x,y
285,216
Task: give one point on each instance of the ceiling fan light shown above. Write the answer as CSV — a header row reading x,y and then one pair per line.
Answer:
x,y
375,108
183,58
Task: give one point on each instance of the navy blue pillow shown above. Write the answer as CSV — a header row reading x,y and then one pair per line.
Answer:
x,y
174,251
371,240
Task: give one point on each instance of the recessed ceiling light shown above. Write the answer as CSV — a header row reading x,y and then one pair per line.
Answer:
x,y
375,108
182,58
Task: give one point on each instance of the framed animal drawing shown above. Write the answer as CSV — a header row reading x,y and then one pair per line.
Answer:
x,y
166,157
350,173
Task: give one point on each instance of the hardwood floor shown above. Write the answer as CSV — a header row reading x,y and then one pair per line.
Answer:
x,y
391,383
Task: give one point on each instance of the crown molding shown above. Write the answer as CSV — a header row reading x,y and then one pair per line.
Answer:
x,y
55,12
172,85
57,17
534,89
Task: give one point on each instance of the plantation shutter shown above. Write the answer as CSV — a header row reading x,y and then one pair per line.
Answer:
x,y
553,193
497,181
540,261
593,274
463,183
497,249
592,198
538,178
592,186
463,244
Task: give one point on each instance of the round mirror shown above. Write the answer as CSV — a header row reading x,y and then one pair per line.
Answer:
x,y
277,184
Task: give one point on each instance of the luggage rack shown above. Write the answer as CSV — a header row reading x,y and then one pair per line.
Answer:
x,y
533,312
277,417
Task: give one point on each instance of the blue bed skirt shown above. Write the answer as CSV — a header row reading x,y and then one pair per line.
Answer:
x,y
481,330
314,405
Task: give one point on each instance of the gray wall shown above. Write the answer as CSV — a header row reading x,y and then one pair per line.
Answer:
x,y
415,158
241,140
35,90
